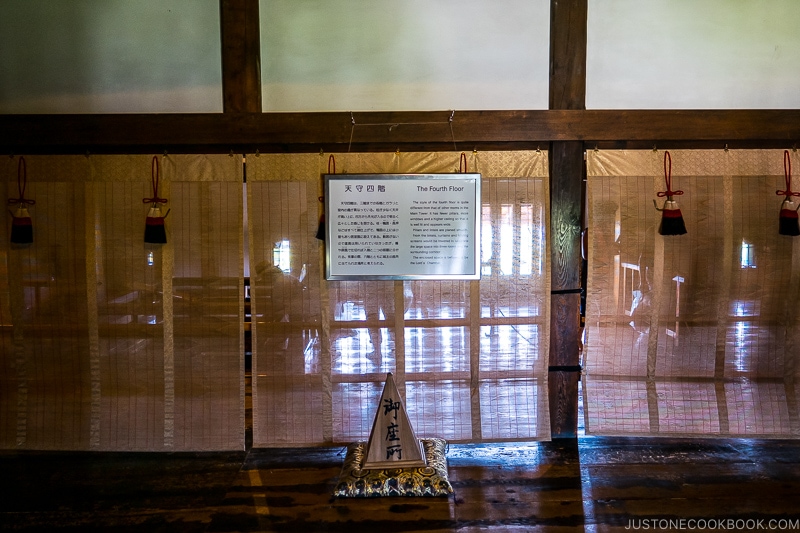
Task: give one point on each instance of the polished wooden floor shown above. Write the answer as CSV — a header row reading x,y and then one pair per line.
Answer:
x,y
590,484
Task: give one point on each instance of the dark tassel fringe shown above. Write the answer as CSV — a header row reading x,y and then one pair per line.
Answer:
x,y
672,222
788,223
21,230
154,231
321,229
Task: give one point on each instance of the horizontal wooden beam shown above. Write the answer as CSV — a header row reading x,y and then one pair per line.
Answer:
x,y
389,131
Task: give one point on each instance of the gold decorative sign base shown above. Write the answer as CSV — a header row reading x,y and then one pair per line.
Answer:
x,y
394,462
431,480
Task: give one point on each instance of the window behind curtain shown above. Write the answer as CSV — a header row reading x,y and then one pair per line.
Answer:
x,y
469,357
694,334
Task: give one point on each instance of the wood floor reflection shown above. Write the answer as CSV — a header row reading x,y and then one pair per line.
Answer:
x,y
497,394
591,484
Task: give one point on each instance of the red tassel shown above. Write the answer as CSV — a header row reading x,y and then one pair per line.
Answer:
x,y
671,217
21,223
671,220
787,220
788,223
21,227
321,227
154,230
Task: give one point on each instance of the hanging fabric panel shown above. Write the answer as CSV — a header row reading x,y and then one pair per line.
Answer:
x,y
469,357
206,223
132,400
691,334
112,343
287,374
46,381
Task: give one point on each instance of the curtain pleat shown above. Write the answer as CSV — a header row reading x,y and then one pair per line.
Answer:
x,y
469,357
691,334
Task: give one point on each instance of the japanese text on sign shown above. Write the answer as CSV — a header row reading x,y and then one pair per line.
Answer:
x,y
402,226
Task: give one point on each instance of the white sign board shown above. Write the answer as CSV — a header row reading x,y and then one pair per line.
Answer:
x,y
402,226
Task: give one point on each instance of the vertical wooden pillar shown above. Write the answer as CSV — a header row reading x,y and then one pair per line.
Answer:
x,y
240,36
241,56
567,170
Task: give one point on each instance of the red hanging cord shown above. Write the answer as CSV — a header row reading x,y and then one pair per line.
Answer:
x,y
462,163
787,171
22,182
154,179
669,193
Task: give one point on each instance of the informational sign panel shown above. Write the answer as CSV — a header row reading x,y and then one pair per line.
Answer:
x,y
402,226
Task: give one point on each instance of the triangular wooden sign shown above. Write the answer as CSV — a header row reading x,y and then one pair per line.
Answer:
x,y
392,442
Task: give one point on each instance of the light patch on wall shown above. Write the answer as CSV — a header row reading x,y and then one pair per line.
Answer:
x,y
684,54
110,56
351,55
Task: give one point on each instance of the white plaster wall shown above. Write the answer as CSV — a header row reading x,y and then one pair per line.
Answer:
x,y
118,56
693,54
110,56
355,55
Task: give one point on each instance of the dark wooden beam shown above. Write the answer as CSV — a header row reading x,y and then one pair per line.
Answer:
x,y
567,92
568,54
310,132
241,56
566,191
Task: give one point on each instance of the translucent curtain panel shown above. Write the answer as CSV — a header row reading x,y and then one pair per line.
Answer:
x,y
469,357
289,402
116,344
206,224
133,313
46,380
692,334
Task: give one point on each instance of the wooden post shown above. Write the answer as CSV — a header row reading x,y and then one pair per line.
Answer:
x,y
241,56
567,91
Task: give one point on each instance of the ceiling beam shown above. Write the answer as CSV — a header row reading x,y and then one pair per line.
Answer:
x,y
388,131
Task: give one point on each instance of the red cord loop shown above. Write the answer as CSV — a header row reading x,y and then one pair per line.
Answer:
x,y
787,171
154,179
669,193
462,163
22,182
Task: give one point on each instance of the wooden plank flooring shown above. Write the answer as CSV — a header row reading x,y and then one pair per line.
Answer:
x,y
591,484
